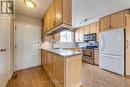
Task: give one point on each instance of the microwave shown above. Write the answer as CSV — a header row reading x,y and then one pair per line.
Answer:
x,y
90,37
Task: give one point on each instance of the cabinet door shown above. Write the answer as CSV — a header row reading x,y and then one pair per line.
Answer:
x,y
67,12
45,23
93,28
97,31
86,29
96,57
105,23
81,34
58,69
52,15
128,45
58,11
49,63
118,20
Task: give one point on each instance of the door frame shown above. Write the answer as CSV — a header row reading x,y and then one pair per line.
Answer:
x,y
15,23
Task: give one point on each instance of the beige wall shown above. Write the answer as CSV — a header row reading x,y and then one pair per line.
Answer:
x,y
24,19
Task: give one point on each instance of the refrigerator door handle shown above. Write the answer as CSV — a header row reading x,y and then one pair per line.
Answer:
x,y
101,44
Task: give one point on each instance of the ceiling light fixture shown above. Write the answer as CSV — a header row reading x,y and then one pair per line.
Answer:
x,y
30,3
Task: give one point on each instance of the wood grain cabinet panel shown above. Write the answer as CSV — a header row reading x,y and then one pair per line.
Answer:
x,y
128,45
62,71
96,57
105,23
58,70
97,31
52,15
50,63
86,29
58,11
93,28
79,34
118,20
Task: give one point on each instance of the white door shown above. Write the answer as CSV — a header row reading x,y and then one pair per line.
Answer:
x,y
4,55
112,42
27,46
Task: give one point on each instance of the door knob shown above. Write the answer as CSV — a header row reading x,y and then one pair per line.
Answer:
x,y
2,50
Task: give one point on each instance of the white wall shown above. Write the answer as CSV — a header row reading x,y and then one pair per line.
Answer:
x,y
11,46
24,19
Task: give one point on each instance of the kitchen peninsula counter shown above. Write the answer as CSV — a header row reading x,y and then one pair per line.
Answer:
x,y
63,67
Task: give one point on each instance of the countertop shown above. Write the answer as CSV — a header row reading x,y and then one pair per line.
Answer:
x,y
62,52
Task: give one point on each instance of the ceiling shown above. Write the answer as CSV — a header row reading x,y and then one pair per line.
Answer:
x,y
81,9
94,9
37,12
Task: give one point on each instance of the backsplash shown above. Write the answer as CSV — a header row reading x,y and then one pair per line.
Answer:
x,y
48,44
64,45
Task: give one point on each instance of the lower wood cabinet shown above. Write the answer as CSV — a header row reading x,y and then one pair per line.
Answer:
x,y
63,71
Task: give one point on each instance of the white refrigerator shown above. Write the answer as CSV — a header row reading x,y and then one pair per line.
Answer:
x,y
111,49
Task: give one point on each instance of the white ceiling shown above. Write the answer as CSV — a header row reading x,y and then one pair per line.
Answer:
x,y
38,12
95,9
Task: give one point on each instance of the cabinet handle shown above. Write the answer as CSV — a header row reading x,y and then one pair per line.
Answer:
x,y
2,50
127,46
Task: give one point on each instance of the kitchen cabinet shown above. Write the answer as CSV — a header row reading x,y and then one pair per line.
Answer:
x,y
128,45
105,23
59,15
58,71
52,15
118,20
49,63
58,12
93,28
97,31
79,34
61,69
96,57
86,29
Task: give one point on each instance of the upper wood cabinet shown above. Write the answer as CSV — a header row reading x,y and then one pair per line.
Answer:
x,y
93,28
58,11
118,20
58,15
87,29
104,23
79,34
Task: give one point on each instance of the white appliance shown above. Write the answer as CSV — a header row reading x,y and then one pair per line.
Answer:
x,y
111,48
